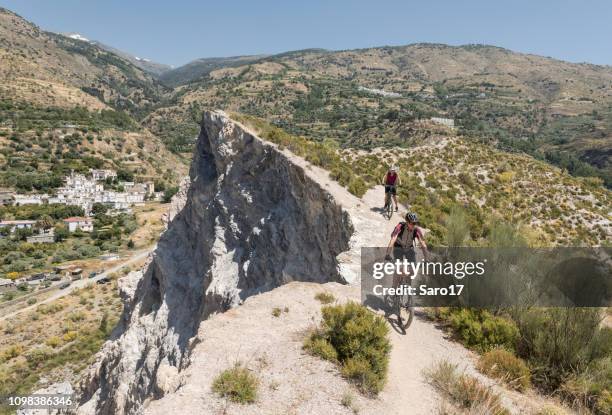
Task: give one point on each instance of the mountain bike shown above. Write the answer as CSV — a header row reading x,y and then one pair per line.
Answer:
x,y
402,306
388,209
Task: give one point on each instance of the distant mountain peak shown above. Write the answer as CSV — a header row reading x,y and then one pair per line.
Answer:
x,y
77,36
145,64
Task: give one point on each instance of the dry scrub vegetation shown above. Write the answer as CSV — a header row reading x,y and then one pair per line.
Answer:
x,y
57,340
487,185
356,339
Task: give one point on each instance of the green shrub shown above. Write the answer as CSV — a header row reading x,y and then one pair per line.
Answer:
x,y
237,384
591,388
325,297
76,316
457,227
502,364
359,339
360,371
357,186
276,312
38,355
558,342
318,346
11,352
482,330
50,308
53,341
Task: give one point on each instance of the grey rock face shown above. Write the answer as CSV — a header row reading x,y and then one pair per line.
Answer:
x,y
247,221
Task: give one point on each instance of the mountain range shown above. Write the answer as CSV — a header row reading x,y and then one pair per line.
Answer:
x,y
553,110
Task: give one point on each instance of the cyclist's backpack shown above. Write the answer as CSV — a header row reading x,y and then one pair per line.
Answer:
x,y
400,235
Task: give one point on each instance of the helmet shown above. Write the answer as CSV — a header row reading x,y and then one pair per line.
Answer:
x,y
393,168
412,217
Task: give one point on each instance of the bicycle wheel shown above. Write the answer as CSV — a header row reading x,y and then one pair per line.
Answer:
x,y
389,206
405,311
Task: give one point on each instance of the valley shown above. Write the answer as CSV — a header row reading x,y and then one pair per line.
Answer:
x,y
148,211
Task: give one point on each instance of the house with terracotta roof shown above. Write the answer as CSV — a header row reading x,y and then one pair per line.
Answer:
x,y
81,223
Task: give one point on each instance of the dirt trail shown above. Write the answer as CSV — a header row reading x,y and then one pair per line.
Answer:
x,y
293,382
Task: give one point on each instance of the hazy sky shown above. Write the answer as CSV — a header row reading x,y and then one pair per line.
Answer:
x,y
178,31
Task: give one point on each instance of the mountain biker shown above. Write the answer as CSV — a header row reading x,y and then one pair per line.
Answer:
x,y
403,239
390,181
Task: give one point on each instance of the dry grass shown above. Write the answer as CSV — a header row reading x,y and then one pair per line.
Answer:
x,y
45,338
463,391
502,364
150,223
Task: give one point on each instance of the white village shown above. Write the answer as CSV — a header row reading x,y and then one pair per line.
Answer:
x,y
82,191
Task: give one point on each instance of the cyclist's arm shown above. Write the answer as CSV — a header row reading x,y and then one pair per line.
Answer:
x,y
391,243
399,180
384,180
394,236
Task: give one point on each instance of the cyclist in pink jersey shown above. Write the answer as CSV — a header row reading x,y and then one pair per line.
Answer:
x,y
391,180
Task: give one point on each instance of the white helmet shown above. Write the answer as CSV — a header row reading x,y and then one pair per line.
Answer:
x,y
393,168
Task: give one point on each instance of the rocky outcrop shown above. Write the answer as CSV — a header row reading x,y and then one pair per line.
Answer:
x,y
247,221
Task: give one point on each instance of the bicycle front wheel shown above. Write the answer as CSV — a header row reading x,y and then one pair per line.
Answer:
x,y
405,312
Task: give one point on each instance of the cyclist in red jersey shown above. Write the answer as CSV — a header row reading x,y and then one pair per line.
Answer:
x,y
391,180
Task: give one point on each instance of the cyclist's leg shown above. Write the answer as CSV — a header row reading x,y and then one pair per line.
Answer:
x,y
408,255
394,193
386,196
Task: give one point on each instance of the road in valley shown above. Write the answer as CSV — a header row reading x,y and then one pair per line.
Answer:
x,y
82,282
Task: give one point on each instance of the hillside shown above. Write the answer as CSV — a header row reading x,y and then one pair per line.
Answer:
x,y
447,171
202,67
554,110
154,68
50,69
69,104
40,146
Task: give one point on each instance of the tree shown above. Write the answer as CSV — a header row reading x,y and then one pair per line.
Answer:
x,y
125,175
457,227
22,233
99,208
61,233
104,323
169,193
45,222
160,185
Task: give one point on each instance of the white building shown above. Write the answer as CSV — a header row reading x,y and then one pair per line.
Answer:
x,y
78,183
17,224
44,236
102,174
448,122
20,200
83,224
6,285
